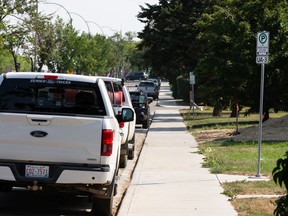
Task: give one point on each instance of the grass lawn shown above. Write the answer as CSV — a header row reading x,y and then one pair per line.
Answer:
x,y
231,157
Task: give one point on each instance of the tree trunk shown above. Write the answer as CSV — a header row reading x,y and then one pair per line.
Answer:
x,y
14,59
235,111
217,111
265,115
32,64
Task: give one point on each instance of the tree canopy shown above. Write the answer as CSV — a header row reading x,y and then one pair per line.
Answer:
x,y
217,41
44,40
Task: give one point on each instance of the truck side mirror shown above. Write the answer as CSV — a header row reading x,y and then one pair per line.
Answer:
x,y
127,115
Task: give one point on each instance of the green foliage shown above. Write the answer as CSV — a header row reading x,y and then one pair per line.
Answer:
x,y
281,206
8,8
280,176
280,172
183,88
60,46
216,40
174,90
240,157
168,38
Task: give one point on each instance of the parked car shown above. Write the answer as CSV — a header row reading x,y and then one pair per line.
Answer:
x,y
141,106
155,81
120,97
151,77
149,88
137,76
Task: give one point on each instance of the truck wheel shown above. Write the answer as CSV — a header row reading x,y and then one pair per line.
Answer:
x,y
146,123
5,188
102,207
131,151
123,161
132,140
131,154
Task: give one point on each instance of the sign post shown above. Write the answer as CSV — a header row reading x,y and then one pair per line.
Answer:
x,y
192,82
262,51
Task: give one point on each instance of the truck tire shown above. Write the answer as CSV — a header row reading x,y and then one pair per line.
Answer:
x,y
132,140
123,161
131,154
104,206
5,188
146,123
131,151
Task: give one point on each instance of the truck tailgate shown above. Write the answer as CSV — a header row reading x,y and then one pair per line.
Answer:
x,y
147,89
46,138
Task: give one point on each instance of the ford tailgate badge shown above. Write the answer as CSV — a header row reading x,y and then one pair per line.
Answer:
x,y
38,134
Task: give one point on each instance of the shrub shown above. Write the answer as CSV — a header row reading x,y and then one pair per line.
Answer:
x,y
183,88
280,176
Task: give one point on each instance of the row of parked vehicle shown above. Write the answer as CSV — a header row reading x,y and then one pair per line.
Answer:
x,y
65,132
138,99
68,132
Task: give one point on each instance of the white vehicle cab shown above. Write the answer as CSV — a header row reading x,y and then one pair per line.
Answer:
x,y
60,131
120,97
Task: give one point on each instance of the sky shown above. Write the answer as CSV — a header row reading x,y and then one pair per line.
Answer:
x,y
98,16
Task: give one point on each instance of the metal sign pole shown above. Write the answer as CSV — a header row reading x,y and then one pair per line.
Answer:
x,y
193,104
260,119
262,52
192,82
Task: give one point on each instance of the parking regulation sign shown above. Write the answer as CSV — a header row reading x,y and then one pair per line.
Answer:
x,y
262,49
262,59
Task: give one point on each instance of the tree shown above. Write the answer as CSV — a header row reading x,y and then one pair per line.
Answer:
x,y
64,39
227,37
169,34
14,40
8,7
12,8
217,40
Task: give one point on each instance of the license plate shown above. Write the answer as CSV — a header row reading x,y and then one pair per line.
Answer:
x,y
37,171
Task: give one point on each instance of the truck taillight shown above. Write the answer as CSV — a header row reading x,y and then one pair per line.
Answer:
x,y
107,142
50,77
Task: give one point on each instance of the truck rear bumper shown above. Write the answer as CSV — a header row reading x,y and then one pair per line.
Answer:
x,y
58,174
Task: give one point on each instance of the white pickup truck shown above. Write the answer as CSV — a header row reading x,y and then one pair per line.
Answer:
x,y
149,88
59,131
120,97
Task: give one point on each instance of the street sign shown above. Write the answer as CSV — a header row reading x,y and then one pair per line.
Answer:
x,y
262,59
262,43
262,49
192,78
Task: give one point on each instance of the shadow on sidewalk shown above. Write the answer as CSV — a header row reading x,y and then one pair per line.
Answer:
x,y
174,129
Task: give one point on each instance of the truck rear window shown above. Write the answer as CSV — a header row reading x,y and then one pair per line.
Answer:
x,y
148,84
50,97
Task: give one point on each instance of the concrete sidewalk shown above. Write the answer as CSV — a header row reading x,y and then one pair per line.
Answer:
x,y
169,179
